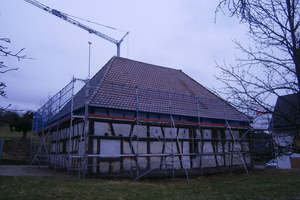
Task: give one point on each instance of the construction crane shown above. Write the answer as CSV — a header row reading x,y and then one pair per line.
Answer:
x,y
66,17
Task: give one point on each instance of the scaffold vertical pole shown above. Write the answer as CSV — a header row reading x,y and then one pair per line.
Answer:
x,y
86,129
71,125
199,127
172,134
235,142
137,132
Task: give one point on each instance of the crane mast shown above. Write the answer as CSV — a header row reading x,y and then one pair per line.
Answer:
x,y
65,17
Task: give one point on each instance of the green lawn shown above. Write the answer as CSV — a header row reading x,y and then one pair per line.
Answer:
x,y
262,184
5,134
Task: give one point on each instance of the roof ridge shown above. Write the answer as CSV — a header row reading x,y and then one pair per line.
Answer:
x,y
105,68
208,90
192,92
187,87
109,63
154,65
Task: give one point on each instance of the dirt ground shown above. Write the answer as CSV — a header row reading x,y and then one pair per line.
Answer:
x,y
20,170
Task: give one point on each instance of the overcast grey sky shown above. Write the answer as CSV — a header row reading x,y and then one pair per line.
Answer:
x,y
179,34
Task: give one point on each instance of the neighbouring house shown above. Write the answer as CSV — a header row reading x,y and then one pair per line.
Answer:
x,y
136,118
286,128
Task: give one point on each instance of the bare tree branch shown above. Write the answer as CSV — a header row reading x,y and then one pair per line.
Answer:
x,y
271,65
3,68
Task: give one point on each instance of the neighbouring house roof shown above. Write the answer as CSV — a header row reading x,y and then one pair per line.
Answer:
x,y
287,112
127,84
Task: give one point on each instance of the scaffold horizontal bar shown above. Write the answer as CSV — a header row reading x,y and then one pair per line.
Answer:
x,y
159,155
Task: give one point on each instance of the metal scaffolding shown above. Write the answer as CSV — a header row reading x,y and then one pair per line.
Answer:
x,y
47,119
64,135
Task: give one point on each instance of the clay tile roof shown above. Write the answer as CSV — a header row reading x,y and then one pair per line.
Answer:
x,y
127,84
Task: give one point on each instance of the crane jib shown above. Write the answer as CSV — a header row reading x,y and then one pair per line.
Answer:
x,y
59,14
78,24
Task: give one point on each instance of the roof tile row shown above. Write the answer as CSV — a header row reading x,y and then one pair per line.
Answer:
x,y
127,84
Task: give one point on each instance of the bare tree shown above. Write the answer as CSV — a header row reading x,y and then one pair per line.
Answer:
x,y
271,65
4,51
16,121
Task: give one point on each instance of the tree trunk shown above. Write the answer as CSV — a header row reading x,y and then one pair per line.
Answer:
x,y
11,128
297,64
24,134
